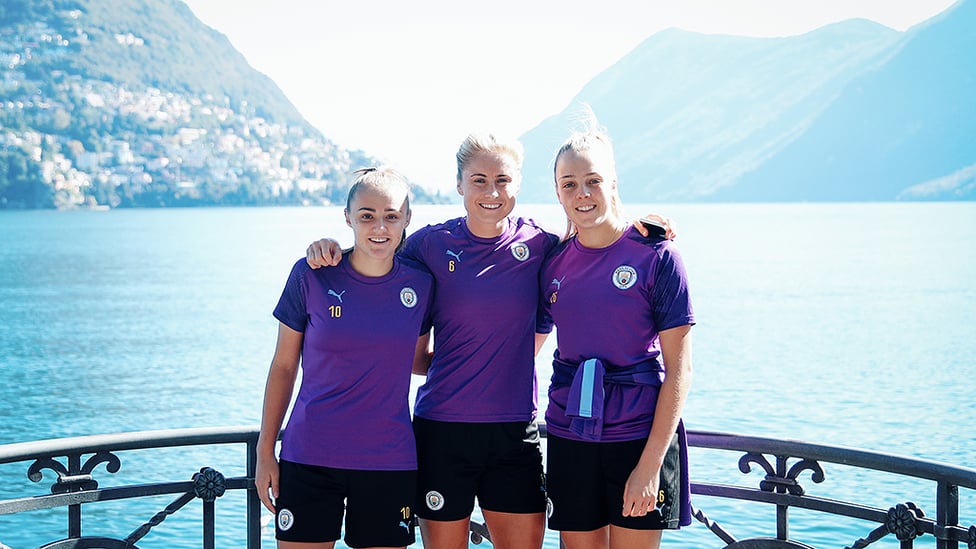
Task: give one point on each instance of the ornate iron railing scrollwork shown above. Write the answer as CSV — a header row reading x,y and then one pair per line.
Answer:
x,y
208,485
781,487
779,479
73,480
817,475
783,463
75,487
903,520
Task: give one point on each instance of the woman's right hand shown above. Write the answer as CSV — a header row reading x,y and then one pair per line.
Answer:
x,y
323,253
266,481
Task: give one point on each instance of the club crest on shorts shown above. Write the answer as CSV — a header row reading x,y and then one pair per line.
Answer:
x,y
408,297
624,277
520,251
285,519
435,500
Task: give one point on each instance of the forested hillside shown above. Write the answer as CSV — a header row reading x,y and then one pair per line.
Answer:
x,y
137,103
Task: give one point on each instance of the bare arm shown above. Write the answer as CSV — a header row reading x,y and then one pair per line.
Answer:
x,y
422,355
277,396
640,494
323,253
540,340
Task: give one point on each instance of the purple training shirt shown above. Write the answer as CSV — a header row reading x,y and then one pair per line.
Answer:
x,y
610,304
485,320
352,410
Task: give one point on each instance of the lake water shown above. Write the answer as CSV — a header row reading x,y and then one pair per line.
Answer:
x,y
845,324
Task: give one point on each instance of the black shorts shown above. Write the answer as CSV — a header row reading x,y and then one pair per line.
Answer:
x,y
586,485
499,463
378,505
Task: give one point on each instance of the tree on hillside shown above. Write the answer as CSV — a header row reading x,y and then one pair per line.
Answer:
x,y
21,185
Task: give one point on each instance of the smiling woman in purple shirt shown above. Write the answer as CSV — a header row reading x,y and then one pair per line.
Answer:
x,y
348,448
616,461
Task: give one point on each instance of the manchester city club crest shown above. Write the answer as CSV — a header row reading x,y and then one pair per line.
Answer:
x,y
434,500
624,277
285,519
520,251
408,297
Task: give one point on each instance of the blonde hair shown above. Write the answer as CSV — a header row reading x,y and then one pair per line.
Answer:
x,y
479,143
592,136
382,179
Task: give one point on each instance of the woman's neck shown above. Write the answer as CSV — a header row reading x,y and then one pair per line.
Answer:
x,y
602,235
486,230
370,266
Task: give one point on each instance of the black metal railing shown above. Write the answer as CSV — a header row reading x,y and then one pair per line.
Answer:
x,y
783,463
74,461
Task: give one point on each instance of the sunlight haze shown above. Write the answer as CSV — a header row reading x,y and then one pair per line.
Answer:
x,y
406,81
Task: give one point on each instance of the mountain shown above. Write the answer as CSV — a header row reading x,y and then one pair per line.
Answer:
x,y
906,130
850,111
160,44
138,103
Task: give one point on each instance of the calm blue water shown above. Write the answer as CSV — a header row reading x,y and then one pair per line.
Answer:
x,y
846,324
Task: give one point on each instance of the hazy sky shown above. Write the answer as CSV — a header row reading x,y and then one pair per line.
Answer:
x,y
407,80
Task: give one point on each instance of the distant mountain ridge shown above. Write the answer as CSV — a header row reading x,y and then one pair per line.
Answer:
x,y
115,103
876,144
850,111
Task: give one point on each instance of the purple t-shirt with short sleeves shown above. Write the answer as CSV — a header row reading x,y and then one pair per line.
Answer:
x,y
610,304
352,409
485,320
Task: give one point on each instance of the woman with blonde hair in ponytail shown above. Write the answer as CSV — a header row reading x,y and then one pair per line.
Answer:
x,y
616,460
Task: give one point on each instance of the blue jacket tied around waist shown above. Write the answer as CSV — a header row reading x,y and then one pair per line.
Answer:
x,y
584,406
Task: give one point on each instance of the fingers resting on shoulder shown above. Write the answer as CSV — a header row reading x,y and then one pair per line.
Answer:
x,y
323,253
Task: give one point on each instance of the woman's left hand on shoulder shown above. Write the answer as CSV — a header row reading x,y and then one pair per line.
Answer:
x,y
670,227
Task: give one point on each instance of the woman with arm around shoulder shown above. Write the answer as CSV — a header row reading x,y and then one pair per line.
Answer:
x,y
475,416
617,463
348,450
